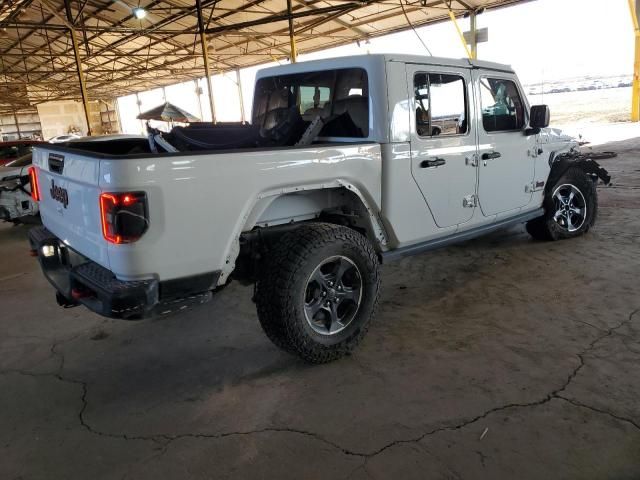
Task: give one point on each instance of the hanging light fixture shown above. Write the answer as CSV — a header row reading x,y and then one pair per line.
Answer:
x,y
139,12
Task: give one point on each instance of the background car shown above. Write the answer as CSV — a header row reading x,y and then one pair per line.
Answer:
x,y
64,138
16,204
12,150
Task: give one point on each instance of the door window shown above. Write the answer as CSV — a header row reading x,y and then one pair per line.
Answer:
x,y
441,102
502,106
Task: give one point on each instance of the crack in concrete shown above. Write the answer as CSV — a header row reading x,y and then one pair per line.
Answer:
x,y
12,277
362,466
56,344
167,439
600,329
620,418
548,398
610,331
483,458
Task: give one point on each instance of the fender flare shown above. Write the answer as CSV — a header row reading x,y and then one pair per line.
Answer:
x,y
262,200
561,163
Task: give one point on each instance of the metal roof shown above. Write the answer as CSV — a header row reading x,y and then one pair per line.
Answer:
x,y
121,54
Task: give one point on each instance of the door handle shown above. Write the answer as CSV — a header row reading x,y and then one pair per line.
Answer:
x,y
436,162
490,155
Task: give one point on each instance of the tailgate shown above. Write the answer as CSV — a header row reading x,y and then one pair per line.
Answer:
x,y
69,199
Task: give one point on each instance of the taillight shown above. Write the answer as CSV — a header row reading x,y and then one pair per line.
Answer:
x,y
124,216
33,183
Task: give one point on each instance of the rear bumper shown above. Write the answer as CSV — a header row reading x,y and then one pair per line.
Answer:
x,y
78,280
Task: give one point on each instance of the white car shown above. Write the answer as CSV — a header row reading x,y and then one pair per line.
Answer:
x,y
339,171
64,138
16,202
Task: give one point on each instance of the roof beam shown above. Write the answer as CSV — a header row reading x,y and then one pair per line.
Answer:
x,y
91,28
284,16
356,30
120,58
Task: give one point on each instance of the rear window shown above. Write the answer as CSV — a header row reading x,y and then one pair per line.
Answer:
x,y
340,97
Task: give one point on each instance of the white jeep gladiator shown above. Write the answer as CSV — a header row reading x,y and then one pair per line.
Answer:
x,y
347,163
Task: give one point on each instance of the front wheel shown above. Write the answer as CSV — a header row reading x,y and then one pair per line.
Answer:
x,y
318,291
571,208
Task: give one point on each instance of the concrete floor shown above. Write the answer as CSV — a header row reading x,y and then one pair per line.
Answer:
x,y
499,358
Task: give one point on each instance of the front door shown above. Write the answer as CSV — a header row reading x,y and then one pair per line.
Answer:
x,y
443,141
505,153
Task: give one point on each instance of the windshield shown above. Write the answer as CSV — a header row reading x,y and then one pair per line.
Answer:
x,y
23,161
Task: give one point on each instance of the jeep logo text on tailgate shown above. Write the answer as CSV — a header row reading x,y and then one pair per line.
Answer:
x,y
59,194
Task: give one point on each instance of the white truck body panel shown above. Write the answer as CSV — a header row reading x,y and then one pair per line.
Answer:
x,y
503,181
200,202
195,201
445,187
77,224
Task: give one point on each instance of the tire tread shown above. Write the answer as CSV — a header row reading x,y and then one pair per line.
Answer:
x,y
545,227
279,272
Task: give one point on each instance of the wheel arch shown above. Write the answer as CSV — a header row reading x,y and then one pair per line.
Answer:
x,y
337,202
298,204
561,163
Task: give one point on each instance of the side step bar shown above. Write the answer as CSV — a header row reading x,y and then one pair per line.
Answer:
x,y
399,253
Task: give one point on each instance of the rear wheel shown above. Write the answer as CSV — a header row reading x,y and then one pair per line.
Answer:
x,y
318,291
570,208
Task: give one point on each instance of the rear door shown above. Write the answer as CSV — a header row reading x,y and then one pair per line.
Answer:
x,y
506,159
443,141
69,200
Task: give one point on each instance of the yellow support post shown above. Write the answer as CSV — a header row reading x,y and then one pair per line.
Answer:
x,y
473,29
81,78
464,42
292,38
635,89
240,97
205,57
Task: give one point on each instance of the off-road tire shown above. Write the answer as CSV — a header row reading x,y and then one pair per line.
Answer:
x,y
546,227
282,286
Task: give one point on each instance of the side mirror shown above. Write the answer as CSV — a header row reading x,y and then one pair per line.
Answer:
x,y
539,116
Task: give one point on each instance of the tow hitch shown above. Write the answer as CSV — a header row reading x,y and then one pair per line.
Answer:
x,y
64,301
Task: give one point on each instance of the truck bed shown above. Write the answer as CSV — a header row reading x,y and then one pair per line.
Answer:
x,y
199,202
